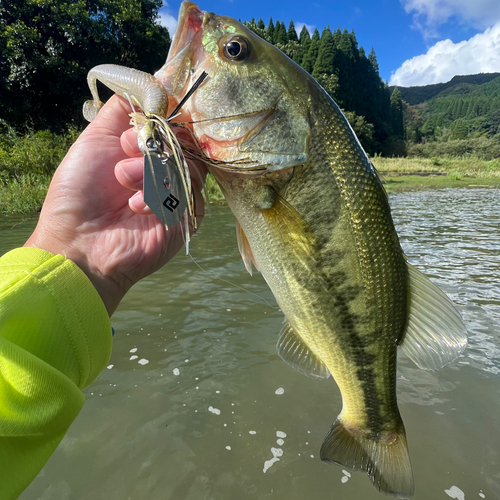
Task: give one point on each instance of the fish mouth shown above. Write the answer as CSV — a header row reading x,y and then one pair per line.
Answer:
x,y
189,23
184,54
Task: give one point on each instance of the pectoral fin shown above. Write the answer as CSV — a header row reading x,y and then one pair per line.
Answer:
x,y
294,351
244,248
435,334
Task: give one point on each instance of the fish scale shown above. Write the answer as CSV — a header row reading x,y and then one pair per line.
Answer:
x,y
313,217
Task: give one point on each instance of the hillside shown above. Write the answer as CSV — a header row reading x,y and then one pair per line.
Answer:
x,y
463,118
417,95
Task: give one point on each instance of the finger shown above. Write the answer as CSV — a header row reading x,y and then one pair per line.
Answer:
x,y
129,143
130,173
137,205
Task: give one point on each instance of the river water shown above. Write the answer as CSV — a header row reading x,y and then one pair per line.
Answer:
x,y
196,404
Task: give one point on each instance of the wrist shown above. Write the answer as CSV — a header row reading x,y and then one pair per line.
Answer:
x,y
110,290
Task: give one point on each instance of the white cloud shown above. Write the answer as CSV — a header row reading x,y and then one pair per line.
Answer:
x,y
309,27
445,59
429,14
169,21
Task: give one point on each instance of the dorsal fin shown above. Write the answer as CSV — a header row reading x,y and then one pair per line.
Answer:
x,y
294,351
435,334
244,248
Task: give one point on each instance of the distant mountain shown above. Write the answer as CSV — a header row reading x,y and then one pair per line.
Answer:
x,y
460,117
458,84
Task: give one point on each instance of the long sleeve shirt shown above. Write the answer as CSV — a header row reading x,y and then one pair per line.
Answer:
x,y
55,339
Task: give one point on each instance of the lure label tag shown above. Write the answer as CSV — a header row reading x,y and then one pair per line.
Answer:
x,y
164,191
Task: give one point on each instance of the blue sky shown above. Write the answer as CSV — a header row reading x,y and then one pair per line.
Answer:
x,y
417,42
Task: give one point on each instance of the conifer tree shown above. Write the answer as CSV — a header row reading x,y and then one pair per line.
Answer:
x,y
373,60
305,37
326,55
270,31
280,35
261,24
305,42
397,113
337,36
309,58
292,34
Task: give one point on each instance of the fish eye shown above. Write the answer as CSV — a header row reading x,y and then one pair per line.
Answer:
x,y
237,48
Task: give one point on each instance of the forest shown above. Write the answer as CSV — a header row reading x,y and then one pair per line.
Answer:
x,y
48,46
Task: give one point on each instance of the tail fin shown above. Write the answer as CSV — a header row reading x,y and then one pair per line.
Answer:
x,y
387,463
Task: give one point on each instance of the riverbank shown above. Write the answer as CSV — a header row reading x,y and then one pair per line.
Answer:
x,y
26,193
423,174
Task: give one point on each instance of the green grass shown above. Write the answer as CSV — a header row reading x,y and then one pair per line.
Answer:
x,y
410,174
27,162
24,194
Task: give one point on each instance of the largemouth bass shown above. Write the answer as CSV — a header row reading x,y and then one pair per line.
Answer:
x,y
313,217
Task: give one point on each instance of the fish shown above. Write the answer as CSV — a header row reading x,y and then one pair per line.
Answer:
x,y
312,216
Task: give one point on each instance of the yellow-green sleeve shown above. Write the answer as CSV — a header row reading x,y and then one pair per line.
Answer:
x,y
55,338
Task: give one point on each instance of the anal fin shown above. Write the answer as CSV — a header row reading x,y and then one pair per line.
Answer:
x,y
244,248
435,334
294,351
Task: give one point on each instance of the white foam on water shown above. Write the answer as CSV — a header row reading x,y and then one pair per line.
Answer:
x,y
348,474
186,361
482,495
281,434
143,361
455,492
312,456
344,479
109,367
228,310
279,391
133,357
216,411
252,432
176,371
277,452
228,447
280,442
133,350
217,392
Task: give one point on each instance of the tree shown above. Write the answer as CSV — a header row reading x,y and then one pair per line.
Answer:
x,y
261,24
309,58
49,46
330,83
305,41
326,55
363,130
280,35
373,60
397,113
292,33
270,31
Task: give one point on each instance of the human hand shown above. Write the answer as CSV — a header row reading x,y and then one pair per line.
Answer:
x,y
91,216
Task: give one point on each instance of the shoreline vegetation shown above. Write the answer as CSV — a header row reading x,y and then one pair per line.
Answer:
x,y
27,163
25,193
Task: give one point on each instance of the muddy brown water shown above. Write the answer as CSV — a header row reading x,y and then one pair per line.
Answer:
x,y
196,404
